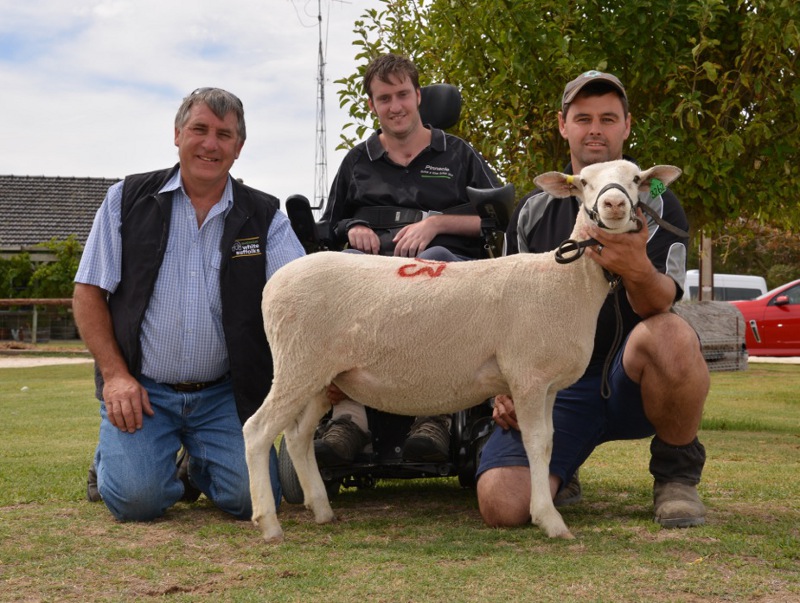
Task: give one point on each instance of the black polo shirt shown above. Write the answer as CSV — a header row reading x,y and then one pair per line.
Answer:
x,y
435,180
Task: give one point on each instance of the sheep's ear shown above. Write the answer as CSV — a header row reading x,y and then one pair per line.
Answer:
x,y
665,173
557,184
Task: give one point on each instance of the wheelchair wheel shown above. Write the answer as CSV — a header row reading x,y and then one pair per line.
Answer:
x,y
292,492
466,473
332,488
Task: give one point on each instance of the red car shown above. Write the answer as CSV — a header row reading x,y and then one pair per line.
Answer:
x,y
772,321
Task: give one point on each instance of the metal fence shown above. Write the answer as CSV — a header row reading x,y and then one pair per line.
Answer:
x,y
36,320
720,327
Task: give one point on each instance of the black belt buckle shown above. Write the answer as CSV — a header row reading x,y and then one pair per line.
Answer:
x,y
389,217
195,386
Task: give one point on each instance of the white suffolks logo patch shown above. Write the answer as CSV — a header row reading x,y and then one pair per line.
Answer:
x,y
245,247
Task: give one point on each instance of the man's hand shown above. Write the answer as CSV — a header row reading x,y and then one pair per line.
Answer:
x,y
648,290
126,401
624,253
413,239
364,239
504,414
335,395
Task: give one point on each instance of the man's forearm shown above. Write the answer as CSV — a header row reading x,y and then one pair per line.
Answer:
x,y
466,226
651,293
93,319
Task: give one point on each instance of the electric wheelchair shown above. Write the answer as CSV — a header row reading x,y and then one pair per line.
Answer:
x,y
441,108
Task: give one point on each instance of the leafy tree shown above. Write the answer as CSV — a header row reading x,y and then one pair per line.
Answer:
x,y
55,279
15,275
713,87
747,247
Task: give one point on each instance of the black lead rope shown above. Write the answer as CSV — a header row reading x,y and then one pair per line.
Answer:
x,y
661,222
574,247
577,248
605,387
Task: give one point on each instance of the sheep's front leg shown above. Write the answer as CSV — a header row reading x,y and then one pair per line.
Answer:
x,y
535,418
299,438
260,431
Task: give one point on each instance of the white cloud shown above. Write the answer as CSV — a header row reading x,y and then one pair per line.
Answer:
x,y
90,87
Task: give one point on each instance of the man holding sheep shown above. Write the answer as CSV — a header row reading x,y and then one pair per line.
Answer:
x,y
658,379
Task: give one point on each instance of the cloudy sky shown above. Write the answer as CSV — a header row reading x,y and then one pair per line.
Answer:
x,y
91,87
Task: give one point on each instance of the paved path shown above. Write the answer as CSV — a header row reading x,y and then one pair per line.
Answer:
x,y
774,359
28,361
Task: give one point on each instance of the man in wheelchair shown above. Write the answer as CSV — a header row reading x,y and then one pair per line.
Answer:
x,y
403,192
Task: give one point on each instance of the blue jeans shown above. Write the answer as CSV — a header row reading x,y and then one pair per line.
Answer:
x,y
582,420
136,473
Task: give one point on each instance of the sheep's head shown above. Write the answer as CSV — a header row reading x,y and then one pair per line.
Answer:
x,y
609,191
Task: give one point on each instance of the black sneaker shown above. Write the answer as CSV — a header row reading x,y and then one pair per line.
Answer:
x,y
190,493
428,440
339,441
570,494
92,493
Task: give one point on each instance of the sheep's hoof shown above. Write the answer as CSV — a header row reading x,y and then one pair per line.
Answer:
x,y
555,529
273,535
273,538
324,517
567,535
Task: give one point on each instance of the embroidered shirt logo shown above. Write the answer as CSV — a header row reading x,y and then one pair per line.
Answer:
x,y
433,171
245,247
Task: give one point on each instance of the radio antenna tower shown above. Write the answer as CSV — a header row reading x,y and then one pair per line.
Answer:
x,y
320,160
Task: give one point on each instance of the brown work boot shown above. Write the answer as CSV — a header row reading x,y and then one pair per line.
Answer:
x,y
339,441
570,494
428,440
677,505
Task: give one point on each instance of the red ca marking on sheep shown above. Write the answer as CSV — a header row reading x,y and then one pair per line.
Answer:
x,y
417,270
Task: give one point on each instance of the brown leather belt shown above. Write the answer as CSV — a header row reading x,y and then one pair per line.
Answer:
x,y
196,386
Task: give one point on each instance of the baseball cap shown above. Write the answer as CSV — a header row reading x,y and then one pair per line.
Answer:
x,y
571,90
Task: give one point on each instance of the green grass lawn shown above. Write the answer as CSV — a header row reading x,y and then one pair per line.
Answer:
x,y
419,540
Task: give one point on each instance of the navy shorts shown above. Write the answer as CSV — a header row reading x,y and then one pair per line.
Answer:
x,y
582,420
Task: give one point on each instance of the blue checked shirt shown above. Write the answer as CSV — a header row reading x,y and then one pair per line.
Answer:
x,y
182,337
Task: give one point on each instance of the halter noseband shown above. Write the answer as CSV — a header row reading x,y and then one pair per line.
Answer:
x,y
571,246
594,215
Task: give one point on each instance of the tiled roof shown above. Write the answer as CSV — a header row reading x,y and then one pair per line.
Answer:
x,y
34,209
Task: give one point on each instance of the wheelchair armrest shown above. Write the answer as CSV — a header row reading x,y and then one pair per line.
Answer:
x,y
299,211
494,205
313,236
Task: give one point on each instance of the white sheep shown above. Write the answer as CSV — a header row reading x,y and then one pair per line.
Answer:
x,y
415,337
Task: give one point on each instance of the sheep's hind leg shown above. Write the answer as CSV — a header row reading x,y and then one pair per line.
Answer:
x,y
299,438
536,426
260,431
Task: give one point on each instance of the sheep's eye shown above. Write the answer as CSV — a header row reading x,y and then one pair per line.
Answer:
x,y
636,179
583,182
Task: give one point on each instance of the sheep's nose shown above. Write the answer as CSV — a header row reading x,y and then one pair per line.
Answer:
x,y
614,201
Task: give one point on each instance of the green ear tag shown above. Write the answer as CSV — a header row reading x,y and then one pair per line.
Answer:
x,y
656,187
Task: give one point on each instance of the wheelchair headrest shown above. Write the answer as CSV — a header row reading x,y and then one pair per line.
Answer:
x,y
440,106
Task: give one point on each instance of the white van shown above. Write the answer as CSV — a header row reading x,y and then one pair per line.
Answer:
x,y
727,287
